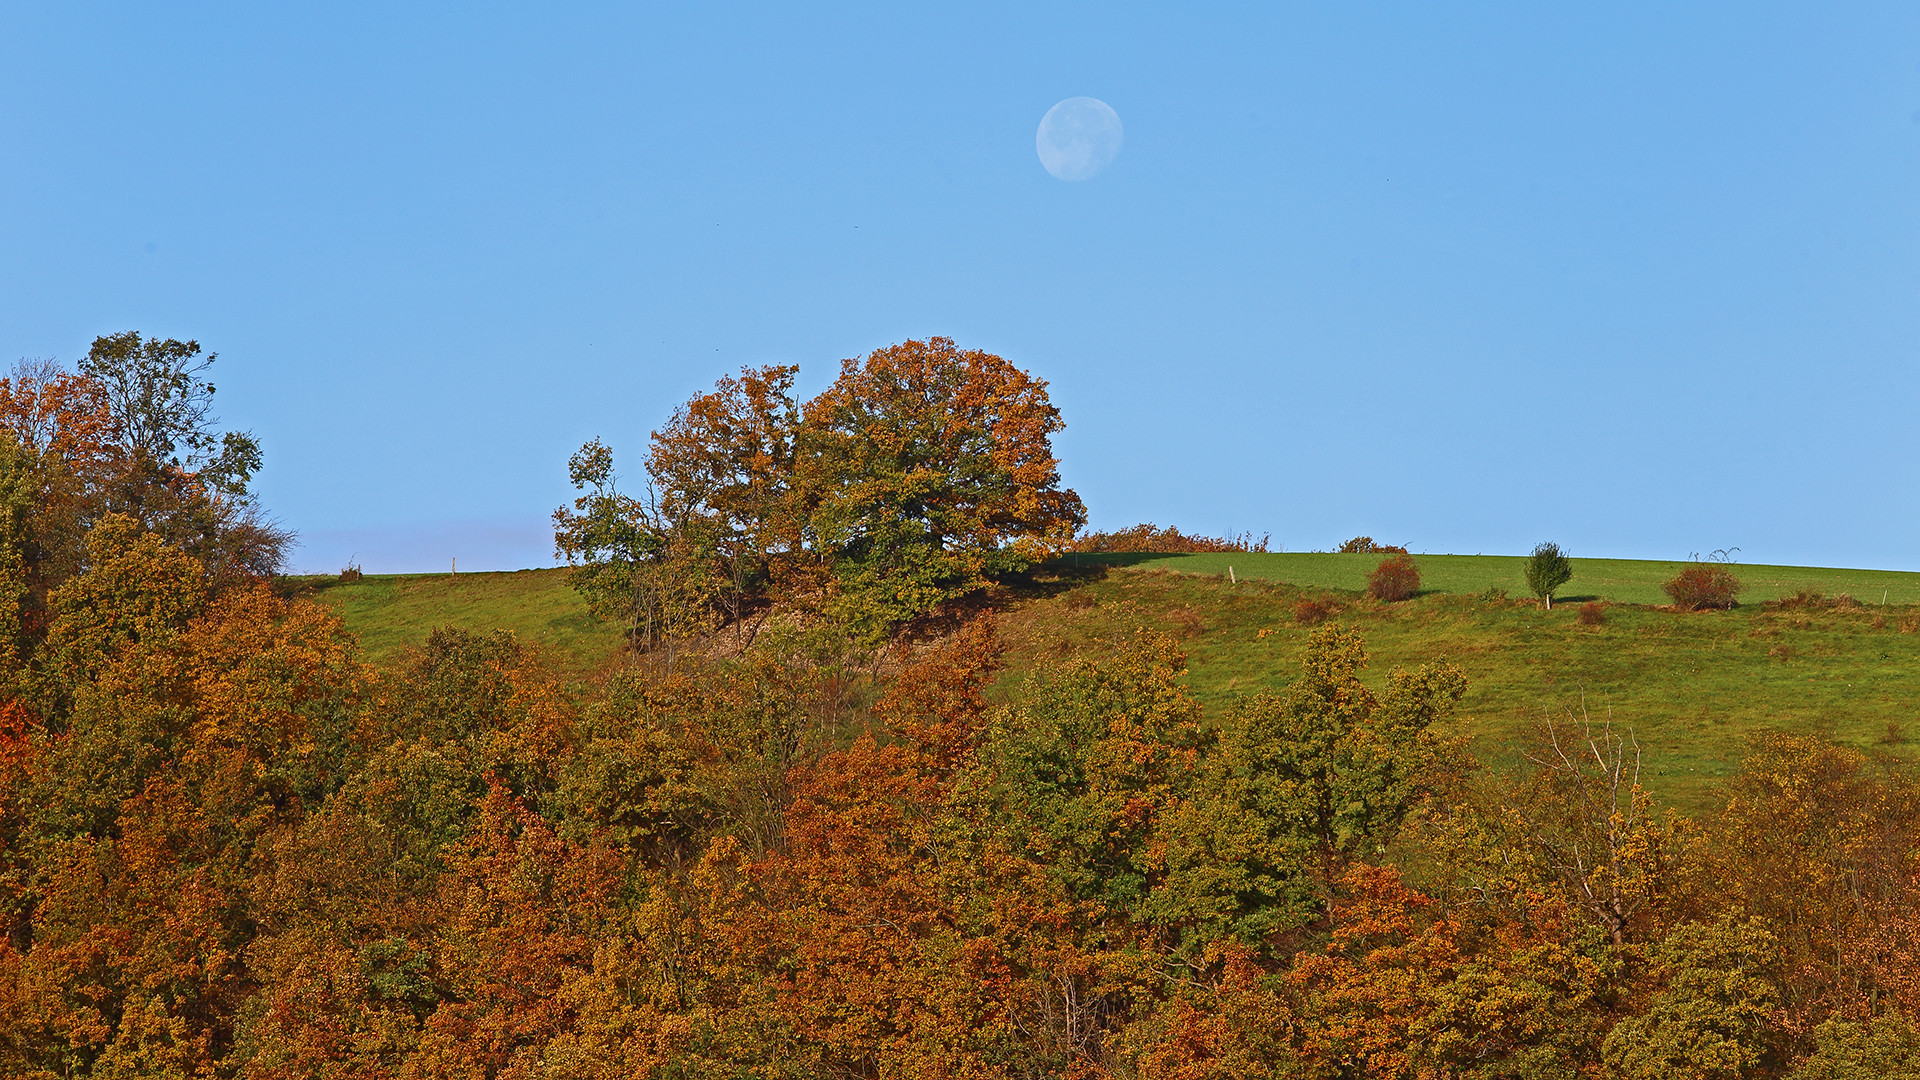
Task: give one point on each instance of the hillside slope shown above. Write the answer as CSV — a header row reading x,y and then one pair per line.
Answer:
x,y
1693,689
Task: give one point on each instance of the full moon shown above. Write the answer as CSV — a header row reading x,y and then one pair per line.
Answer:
x,y
1078,137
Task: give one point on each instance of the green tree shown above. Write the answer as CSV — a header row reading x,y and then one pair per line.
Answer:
x,y
1713,1019
1888,1048
1548,568
162,409
180,475
631,561
1300,785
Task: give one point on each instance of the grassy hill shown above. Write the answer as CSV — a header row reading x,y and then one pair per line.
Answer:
x,y
1694,689
1622,581
389,612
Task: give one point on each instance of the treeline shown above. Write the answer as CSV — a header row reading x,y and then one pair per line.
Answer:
x,y
232,849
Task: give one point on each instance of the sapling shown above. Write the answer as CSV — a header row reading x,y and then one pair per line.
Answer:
x,y
1548,568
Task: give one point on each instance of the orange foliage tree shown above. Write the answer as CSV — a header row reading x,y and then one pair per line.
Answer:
x,y
927,470
922,474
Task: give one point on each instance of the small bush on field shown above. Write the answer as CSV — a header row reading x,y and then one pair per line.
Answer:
x,y
1364,545
1894,735
1593,613
1312,612
1809,600
1703,586
1396,578
1782,653
1187,622
351,573
1494,594
1079,601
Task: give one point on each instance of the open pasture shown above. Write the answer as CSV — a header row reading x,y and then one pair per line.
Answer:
x,y
390,612
1621,581
1693,689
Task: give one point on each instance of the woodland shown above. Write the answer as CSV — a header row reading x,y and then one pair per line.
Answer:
x,y
808,827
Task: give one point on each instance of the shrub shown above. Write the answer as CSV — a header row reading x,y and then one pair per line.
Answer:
x,y
1810,600
1312,612
351,573
1703,586
1593,613
1150,538
1548,568
1364,545
1187,622
1396,578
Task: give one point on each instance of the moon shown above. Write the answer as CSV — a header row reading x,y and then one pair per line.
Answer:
x,y
1078,138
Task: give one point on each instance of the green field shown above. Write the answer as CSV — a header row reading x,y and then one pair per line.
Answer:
x,y
1623,581
1694,689
389,612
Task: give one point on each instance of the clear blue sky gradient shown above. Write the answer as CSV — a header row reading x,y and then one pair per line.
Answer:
x,y
1640,280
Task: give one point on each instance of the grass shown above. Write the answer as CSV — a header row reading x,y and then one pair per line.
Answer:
x,y
1623,581
1694,689
391,612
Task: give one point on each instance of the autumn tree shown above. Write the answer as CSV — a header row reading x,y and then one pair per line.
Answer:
x,y
920,476
1584,820
928,470
723,468
1817,839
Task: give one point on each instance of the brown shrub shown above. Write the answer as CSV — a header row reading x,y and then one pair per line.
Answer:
x,y
1312,612
1079,601
1909,623
1187,622
1593,613
1811,600
1396,578
1151,539
1703,586
351,573
1364,545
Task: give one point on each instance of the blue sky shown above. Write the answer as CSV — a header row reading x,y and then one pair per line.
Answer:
x,y
1640,280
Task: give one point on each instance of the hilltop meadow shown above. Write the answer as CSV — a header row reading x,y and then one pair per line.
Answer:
x,y
1695,689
